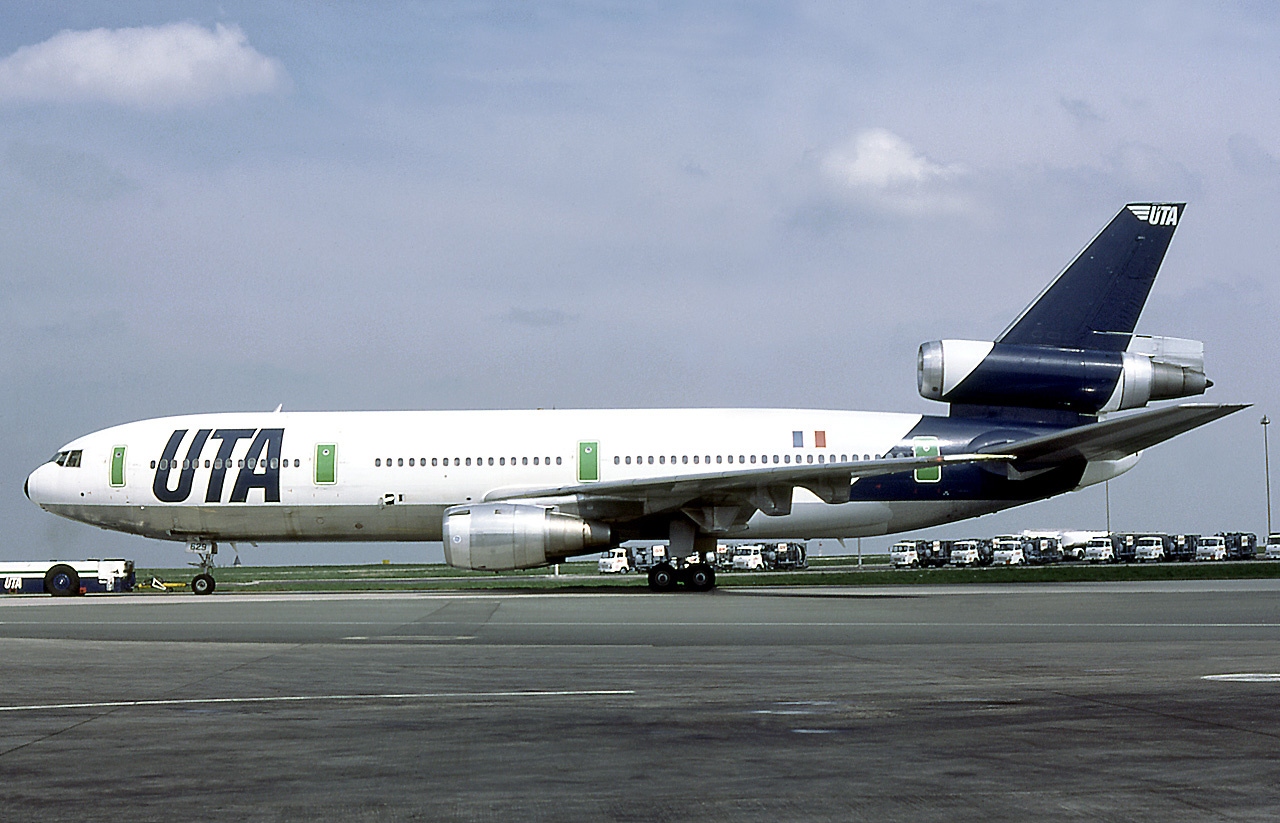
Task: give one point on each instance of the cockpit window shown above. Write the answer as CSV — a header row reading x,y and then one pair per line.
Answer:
x,y
69,459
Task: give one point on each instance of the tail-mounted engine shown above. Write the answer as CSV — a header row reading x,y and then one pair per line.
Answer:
x,y
506,536
1042,377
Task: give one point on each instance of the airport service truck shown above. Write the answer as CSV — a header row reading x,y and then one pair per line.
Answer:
x,y
904,554
1153,548
749,559
1212,548
970,553
1272,551
66,578
1241,545
614,561
1007,550
1103,549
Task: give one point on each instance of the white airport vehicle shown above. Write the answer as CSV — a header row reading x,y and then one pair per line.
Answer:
x,y
1007,551
1149,550
1073,542
1212,548
965,553
749,559
1272,550
66,578
1100,550
904,554
614,561
523,489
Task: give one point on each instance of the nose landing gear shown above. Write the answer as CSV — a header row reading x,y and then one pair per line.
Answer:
x,y
203,583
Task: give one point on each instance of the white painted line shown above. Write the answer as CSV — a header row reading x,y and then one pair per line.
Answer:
x,y
1245,677
311,698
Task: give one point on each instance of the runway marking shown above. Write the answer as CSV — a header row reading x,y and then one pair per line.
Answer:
x,y
305,698
1245,677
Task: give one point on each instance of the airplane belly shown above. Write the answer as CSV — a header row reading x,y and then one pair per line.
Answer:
x,y
402,522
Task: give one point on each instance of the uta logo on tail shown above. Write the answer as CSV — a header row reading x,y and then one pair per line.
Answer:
x,y
1156,215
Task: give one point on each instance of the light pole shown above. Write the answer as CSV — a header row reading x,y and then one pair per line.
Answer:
x,y
1266,462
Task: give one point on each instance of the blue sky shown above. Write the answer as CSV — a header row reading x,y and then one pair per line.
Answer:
x,y
231,206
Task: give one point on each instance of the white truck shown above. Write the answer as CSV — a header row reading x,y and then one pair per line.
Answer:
x,y
1150,549
67,578
966,553
1100,550
904,554
1007,551
1212,548
614,561
1272,550
749,559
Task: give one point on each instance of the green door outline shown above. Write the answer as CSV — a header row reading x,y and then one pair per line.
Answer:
x,y
326,463
588,461
117,467
927,447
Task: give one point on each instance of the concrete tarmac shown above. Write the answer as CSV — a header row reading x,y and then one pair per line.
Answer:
x,y
1123,701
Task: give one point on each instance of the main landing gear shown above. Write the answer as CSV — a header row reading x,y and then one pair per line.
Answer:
x,y
203,583
685,544
698,577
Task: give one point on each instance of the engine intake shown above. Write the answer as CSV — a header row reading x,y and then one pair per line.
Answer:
x,y
1087,382
506,536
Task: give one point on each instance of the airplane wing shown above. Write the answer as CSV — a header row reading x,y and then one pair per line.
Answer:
x,y
1115,438
830,481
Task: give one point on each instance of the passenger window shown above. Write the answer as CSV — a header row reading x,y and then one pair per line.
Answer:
x,y
628,460
742,459
206,463
650,460
844,458
535,460
820,459
617,460
753,458
490,461
524,461
275,463
719,458
684,459
153,464
695,460
502,461
377,461
558,460
662,459
400,461
775,458
468,461
434,461
808,459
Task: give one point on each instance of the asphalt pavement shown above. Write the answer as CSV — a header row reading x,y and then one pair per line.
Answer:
x,y
1128,701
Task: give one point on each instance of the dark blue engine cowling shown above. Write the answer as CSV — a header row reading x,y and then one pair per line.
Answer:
x,y
1043,377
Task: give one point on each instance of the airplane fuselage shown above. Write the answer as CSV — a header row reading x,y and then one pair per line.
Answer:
x,y
324,476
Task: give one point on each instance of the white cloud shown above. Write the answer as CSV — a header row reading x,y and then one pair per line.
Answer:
x,y
879,166
177,64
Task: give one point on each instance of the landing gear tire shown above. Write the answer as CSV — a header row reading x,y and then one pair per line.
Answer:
x,y
701,577
62,581
203,584
662,578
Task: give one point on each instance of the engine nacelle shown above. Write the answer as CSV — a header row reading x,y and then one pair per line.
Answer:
x,y
1087,382
506,536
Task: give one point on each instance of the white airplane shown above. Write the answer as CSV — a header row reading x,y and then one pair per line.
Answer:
x,y
1029,419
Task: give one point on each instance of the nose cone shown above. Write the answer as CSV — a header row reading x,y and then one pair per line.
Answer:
x,y
37,487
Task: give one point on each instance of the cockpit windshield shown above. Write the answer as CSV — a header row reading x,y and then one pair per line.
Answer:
x,y
68,459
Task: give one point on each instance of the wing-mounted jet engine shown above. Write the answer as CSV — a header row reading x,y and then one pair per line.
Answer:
x,y
1073,349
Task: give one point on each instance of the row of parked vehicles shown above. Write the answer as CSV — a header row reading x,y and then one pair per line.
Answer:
x,y
1019,550
754,557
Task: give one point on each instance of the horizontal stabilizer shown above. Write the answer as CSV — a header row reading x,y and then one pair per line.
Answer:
x,y
1115,438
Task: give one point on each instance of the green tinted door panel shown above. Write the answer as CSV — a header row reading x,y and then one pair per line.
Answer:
x,y
588,461
326,463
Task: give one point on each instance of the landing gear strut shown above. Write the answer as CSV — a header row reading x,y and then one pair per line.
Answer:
x,y
203,583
